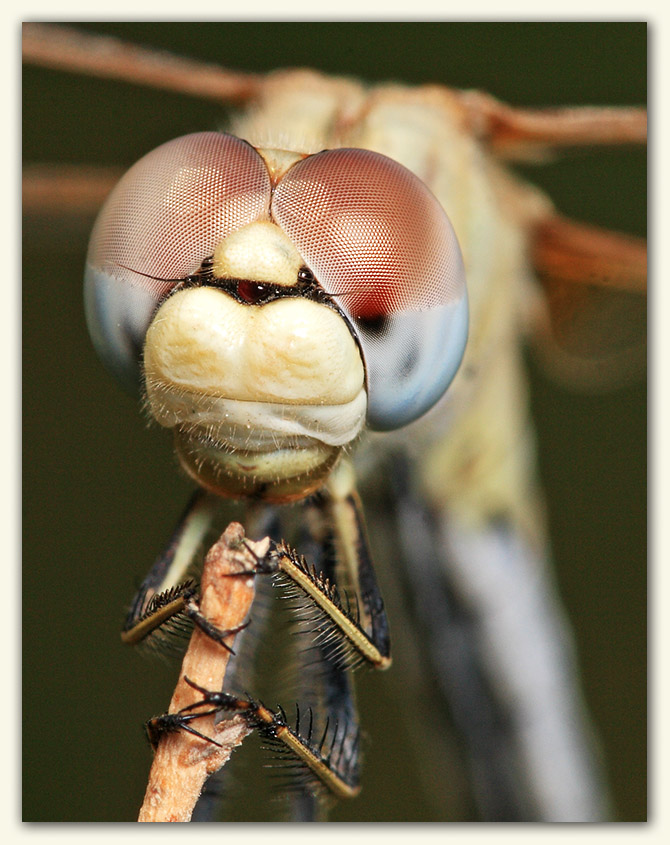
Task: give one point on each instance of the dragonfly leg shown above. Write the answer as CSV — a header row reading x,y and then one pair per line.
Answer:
x,y
168,586
338,517
167,723
192,610
327,760
325,745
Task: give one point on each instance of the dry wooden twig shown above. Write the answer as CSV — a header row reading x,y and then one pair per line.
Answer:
x,y
182,761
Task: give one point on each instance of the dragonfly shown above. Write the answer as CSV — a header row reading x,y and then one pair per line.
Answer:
x,y
402,493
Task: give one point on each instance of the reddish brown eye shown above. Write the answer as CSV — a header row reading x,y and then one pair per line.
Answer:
x,y
172,208
376,238
164,217
371,232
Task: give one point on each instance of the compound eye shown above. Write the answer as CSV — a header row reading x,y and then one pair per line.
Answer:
x,y
379,241
165,216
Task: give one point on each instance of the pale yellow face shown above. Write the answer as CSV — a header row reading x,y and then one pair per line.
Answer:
x,y
261,397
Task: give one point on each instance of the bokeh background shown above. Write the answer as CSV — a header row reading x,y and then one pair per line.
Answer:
x,y
101,491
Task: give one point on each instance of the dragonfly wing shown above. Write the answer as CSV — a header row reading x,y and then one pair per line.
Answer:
x,y
500,648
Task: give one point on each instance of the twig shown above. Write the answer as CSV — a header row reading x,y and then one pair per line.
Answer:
x,y
182,761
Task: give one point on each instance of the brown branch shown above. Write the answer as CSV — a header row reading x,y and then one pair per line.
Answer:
x,y
182,761
69,49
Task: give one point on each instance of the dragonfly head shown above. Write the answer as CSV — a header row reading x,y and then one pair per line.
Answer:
x,y
269,305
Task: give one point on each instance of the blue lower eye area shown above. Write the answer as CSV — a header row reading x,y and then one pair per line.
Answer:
x,y
412,361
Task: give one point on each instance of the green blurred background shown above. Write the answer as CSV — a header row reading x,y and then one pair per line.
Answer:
x,y
101,490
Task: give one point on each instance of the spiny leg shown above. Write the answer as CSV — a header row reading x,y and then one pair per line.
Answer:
x,y
341,601
325,738
324,744
170,586
169,594
348,591
157,604
326,760
327,718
